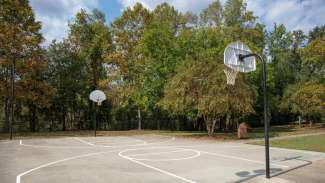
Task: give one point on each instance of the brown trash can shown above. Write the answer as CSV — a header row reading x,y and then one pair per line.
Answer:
x,y
242,131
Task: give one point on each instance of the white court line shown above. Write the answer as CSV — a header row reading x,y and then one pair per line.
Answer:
x,y
170,159
18,178
112,144
142,144
167,152
83,141
243,159
37,146
116,146
199,145
113,141
285,149
154,168
110,140
7,142
297,151
197,154
161,142
145,143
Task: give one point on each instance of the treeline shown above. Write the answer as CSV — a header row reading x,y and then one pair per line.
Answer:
x,y
161,69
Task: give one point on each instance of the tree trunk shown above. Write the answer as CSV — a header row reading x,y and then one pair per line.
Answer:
x,y
63,122
52,124
32,124
310,122
12,96
139,119
210,125
7,113
72,119
228,117
158,124
237,123
79,120
213,126
90,115
208,129
177,123
33,119
220,125
7,96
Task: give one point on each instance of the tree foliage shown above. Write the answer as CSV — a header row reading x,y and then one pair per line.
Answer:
x,y
160,68
306,99
20,40
200,86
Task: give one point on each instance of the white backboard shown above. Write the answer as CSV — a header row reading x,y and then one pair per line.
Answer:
x,y
231,57
97,96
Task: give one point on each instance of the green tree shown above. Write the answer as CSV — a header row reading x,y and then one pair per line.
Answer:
x,y
317,33
157,50
285,66
65,67
167,15
239,22
313,65
33,90
305,95
128,30
204,90
158,55
305,99
20,40
199,85
213,15
91,40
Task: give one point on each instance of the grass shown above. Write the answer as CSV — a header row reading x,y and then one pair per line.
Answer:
x,y
287,130
311,143
255,133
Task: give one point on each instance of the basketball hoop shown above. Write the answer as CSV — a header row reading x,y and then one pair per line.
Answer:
x,y
233,62
231,76
97,96
239,58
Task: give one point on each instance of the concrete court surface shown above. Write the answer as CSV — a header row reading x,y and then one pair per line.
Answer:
x,y
144,158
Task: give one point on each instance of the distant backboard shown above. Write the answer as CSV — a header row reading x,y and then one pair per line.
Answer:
x,y
97,96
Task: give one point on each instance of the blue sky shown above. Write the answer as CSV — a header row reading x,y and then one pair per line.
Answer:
x,y
294,14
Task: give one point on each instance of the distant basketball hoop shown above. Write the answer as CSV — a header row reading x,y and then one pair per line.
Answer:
x,y
97,96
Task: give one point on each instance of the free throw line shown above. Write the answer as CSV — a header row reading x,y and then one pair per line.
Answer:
x,y
157,169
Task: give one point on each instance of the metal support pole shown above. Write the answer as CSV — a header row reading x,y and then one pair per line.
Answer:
x,y
266,121
95,120
139,119
12,96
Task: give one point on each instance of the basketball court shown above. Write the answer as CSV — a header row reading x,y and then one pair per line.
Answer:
x,y
143,158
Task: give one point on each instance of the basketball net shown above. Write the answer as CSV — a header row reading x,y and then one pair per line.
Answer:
x,y
231,76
